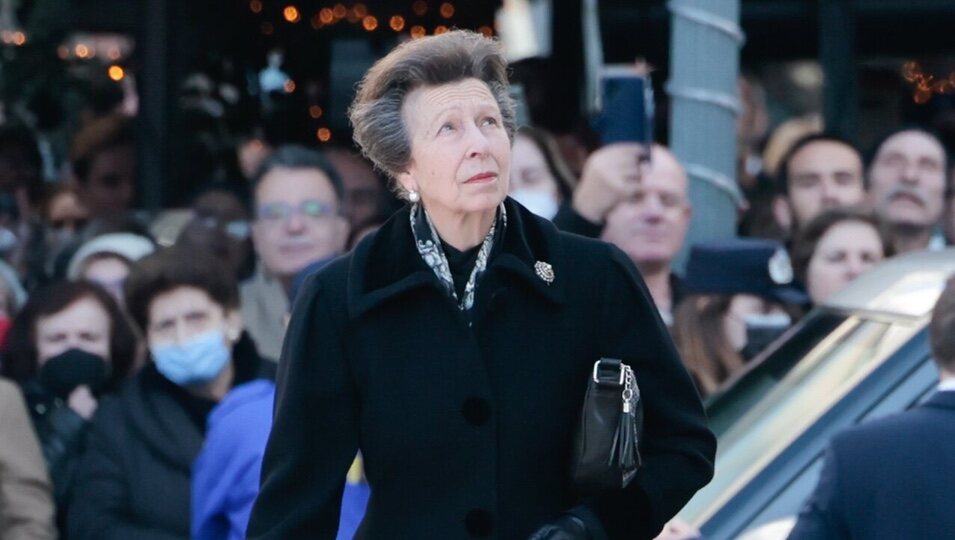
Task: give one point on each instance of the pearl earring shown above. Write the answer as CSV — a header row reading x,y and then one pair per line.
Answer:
x,y
413,196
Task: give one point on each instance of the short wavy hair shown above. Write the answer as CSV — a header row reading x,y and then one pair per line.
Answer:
x,y
375,113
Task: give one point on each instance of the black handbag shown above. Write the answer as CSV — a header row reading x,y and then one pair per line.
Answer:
x,y
606,451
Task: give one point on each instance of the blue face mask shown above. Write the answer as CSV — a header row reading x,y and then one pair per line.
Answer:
x,y
194,362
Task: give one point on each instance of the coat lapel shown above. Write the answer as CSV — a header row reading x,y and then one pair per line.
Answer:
x,y
386,264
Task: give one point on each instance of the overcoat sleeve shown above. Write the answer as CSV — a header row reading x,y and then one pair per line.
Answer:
x,y
822,517
315,432
26,500
677,448
100,506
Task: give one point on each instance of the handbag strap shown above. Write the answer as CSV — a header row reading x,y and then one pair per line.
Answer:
x,y
609,372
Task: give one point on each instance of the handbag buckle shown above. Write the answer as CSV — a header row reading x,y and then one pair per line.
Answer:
x,y
612,362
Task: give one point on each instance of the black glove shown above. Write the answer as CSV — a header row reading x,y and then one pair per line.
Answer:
x,y
568,527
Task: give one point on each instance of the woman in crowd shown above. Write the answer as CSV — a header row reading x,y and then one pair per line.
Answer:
x,y
835,247
69,346
740,297
26,498
108,259
454,345
540,180
134,479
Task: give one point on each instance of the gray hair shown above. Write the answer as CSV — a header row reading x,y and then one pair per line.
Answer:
x,y
375,113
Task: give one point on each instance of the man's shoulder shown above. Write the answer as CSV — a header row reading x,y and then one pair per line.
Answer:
x,y
911,427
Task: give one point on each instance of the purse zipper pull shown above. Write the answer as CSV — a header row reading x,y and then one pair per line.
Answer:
x,y
627,389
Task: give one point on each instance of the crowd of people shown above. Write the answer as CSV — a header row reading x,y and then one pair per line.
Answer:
x,y
138,364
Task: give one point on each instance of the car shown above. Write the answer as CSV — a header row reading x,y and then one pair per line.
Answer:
x,y
862,354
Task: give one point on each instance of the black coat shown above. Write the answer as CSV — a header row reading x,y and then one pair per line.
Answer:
x,y
466,430
890,478
134,479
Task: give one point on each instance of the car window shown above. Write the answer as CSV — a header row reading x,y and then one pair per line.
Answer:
x,y
822,377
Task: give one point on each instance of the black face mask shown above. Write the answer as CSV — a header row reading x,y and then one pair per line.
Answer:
x,y
758,337
63,373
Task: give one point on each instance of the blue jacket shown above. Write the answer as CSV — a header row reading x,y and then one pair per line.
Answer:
x,y
225,476
890,478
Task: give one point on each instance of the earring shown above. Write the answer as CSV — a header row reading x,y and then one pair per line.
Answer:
x,y
413,196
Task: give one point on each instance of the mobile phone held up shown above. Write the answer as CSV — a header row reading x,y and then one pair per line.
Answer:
x,y
625,110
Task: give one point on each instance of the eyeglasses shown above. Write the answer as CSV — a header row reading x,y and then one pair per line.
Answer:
x,y
280,212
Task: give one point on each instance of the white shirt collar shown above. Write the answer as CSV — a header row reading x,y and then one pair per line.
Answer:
x,y
947,385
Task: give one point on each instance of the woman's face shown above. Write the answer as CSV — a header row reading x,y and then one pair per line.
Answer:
x,y
846,250
460,151
741,308
84,324
529,169
178,315
109,273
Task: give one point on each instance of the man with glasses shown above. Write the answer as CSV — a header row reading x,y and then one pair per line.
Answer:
x,y
297,196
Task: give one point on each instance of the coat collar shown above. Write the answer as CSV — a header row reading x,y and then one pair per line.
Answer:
x,y
386,264
942,400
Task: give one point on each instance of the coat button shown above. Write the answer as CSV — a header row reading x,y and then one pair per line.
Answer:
x,y
476,411
479,523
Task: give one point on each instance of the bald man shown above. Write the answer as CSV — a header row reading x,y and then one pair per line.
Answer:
x,y
643,209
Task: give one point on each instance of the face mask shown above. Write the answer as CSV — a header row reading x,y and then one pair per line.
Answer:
x,y
195,362
761,330
63,373
538,202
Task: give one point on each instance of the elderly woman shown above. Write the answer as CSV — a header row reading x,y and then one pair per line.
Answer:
x,y
134,478
454,345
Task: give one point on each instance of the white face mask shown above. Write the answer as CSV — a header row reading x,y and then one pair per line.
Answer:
x,y
538,202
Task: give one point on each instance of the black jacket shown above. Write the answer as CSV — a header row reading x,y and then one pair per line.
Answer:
x,y
62,436
466,431
134,479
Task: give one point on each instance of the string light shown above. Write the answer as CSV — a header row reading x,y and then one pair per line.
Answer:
x,y
255,6
116,73
446,10
82,51
288,86
326,15
339,11
113,53
352,16
315,112
420,7
440,29
19,38
397,23
361,10
63,52
417,31
926,85
267,28
291,14
487,31
317,21
324,134
370,23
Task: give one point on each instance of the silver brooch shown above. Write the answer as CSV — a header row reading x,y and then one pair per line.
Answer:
x,y
544,271
780,268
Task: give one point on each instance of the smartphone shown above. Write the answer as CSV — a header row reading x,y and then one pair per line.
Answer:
x,y
625,109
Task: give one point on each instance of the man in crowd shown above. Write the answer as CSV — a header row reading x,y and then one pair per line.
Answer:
x,y
104,163
907,177
893,477
297,196
642,208
818,173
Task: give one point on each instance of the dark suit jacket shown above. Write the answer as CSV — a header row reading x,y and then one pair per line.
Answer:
x,y
466,429
890,478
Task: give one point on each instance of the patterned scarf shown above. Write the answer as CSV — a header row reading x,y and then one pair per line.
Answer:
x,y
429,247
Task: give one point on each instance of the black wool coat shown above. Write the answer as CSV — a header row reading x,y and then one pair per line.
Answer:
x,y
466,429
